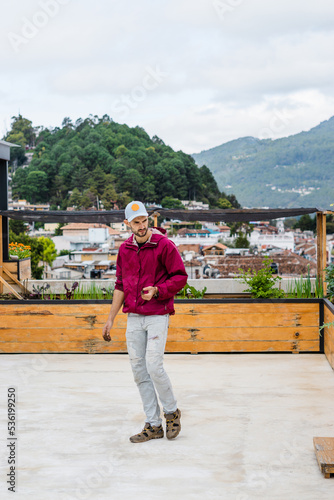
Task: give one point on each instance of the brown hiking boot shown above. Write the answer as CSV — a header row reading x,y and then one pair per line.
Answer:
x,y
173,424
149,432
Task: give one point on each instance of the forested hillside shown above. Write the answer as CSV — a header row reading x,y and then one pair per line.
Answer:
x,y
293,171
98,159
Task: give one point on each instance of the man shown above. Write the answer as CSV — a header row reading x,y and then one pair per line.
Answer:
x,y
149,273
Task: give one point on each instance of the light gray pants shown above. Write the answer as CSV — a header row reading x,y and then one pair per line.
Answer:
x,y
146,339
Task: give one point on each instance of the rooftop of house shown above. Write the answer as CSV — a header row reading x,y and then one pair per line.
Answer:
x,y
219,246
80,226
289,263
185,231
248,423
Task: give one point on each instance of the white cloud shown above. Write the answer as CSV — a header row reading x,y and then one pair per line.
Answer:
x,y
227,75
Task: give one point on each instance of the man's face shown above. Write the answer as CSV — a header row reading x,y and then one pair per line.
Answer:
x,y
139,226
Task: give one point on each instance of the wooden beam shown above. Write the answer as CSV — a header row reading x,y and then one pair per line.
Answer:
x,y
7,285
155,216
324,450
12,277
321,249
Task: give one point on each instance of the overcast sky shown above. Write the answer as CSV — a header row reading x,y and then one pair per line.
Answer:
x,y
197,73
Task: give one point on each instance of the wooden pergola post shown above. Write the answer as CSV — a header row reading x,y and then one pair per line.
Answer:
x,y
321,249
155,216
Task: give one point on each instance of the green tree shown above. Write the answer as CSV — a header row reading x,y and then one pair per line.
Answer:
x,y
17,226
38,186
58,231
306,223
224,203
17,154
75,198
98,179
120,151
23,126
169,202
94,153
109,197
241,241
49,252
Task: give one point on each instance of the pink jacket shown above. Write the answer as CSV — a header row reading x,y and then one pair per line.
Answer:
x,y
157,263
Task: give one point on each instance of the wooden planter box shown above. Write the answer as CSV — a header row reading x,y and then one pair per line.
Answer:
x,y
20,269
328,332
207,325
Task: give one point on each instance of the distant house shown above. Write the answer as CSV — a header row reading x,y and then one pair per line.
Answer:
x,y
193,232
195,205
87,231
25,205
77,236
225,230
216,249
189,248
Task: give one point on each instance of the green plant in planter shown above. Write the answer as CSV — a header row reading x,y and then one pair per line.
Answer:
x,y
261,283
302,288
190,292
19,250
325,325
329,270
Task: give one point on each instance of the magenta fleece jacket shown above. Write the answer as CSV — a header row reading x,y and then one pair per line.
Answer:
x,y
157,263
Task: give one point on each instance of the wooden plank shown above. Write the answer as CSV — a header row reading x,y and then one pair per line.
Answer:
x,y
58,335
67,332
90,346
12,267
329,349
227,317
25,269
35,321
321,248
238,333
12,279
245,308
241,346
324,451
192,310
27,317
328,334
96,345
234,319
9,287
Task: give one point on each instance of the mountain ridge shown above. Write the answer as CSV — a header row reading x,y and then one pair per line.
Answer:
x,y
290,171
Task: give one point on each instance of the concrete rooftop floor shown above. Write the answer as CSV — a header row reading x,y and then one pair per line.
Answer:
x,y
247,428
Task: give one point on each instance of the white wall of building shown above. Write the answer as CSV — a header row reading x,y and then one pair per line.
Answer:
x,y
280,240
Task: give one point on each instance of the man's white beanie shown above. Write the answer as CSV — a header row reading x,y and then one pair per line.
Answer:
x,y
135,209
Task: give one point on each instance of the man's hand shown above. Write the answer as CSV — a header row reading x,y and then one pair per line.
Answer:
x,y
106,330
148,292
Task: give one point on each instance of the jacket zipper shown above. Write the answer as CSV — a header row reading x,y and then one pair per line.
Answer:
x,y
138,295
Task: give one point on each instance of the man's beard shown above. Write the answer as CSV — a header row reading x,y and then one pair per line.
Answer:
x,y
141,233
